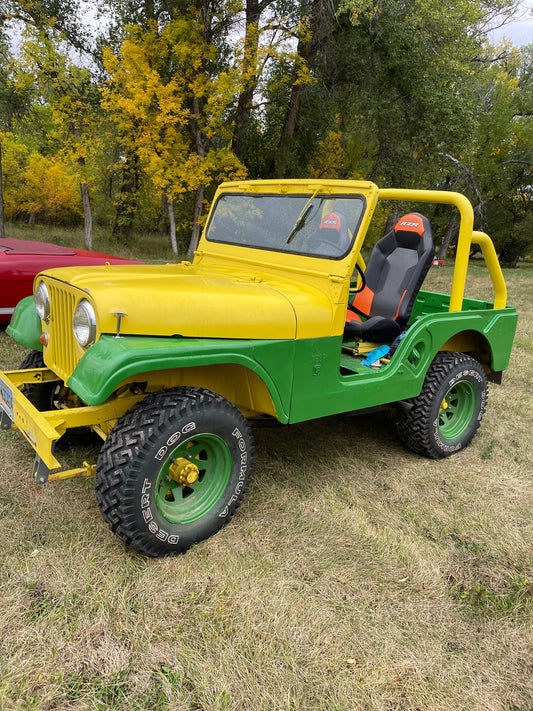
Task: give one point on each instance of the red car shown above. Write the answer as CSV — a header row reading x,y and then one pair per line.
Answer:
x,y
21,260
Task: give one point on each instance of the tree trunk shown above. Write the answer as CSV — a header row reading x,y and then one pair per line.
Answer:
x,y
86,203
2,229
392,219
127,200
164,213
244,105
451,232
321,11
200,142
195,237
172,221
87,216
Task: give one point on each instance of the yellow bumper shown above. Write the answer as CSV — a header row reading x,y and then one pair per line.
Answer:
x,y
43,429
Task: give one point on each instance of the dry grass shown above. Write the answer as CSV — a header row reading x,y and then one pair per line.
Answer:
x,y
356,576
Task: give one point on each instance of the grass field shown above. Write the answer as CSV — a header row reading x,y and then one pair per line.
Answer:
x,y
153,247
355,576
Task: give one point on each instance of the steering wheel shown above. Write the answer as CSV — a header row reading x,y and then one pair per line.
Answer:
x,y
363,280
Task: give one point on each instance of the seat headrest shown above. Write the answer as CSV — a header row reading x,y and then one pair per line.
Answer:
x,y
410,228
331,221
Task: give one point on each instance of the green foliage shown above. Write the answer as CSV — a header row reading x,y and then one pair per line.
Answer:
x,y
516,597
183,95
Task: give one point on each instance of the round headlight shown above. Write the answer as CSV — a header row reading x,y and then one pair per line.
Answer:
x,y
84,324
42,301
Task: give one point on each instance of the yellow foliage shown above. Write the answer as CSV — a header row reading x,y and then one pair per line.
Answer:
x,y
165,102
328,159
66,90
38,185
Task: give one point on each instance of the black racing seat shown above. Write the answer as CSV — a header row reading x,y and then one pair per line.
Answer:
x,y
332,239
394,274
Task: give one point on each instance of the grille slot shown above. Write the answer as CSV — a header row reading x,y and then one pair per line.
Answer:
x,y
61,356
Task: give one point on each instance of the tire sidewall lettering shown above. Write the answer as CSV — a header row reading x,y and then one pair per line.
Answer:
x,y
468,375
173,440
465,375
129,481
156,525
153,527
418,425
243,470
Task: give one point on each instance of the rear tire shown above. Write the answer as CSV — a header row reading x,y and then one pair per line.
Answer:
x,y
446,415
173,470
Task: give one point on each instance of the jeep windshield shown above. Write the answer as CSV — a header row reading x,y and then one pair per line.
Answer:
x,y
313,224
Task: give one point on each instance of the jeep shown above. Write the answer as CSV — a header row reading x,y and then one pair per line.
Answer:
x,y
276,319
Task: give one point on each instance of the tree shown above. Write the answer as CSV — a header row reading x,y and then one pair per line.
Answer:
x,y
2,228
55,18
404,93
502,160
312,32
73,100
169,88
38,186
4,82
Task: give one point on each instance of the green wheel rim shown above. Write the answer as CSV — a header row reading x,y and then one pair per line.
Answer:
x,y
457,410
182,503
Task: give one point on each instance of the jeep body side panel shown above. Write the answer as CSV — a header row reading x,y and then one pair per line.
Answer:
x,y
320,388
303,377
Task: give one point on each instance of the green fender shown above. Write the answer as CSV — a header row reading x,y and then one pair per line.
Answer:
x,y
25,325
111,360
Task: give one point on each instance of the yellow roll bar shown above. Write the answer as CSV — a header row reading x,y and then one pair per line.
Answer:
x,y
466,237
493,265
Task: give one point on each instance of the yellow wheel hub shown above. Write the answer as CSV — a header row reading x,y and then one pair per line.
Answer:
x,y
183,471
443,405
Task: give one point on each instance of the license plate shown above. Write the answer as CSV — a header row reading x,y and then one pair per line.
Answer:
x,y
7,399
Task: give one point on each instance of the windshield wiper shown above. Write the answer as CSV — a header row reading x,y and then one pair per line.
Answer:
x,y
298,224
301,217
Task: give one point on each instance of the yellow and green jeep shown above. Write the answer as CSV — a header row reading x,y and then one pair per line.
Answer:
x,y
276,319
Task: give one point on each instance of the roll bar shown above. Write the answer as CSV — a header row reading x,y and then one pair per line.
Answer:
x,y
467,237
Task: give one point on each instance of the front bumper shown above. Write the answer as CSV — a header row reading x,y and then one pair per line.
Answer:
x,y
44,429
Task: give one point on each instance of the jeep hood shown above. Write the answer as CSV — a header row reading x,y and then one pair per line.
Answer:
x,y
183,300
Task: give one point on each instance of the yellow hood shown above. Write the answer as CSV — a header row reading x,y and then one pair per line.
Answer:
x,y
183,300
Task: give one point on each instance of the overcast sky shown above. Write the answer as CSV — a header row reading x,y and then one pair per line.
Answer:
x,y
521,30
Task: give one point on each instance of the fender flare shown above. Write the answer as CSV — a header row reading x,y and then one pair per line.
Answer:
x,y
111,361
25,324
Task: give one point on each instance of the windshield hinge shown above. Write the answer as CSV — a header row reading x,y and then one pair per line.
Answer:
x,y
335,278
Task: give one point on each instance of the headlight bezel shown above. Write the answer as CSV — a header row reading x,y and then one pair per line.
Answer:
x,y
41,298
84,323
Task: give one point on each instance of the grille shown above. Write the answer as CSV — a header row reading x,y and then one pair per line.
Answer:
x,y
62,352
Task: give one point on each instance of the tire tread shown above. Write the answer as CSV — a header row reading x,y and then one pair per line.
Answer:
x,y
132,433
414,426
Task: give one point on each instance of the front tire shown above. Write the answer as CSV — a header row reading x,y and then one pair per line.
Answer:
x,y
446,415
50,395
173,470
41,395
